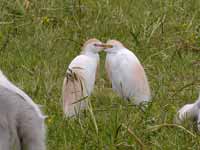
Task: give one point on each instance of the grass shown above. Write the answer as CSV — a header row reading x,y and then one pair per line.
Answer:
x,y
38,39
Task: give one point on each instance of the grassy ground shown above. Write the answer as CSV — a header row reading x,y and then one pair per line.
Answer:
x,y
39,39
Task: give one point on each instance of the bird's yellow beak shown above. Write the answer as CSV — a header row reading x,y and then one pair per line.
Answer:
x,y
104,45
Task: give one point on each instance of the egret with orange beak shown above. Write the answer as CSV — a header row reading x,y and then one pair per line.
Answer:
x,y
80,77
126,73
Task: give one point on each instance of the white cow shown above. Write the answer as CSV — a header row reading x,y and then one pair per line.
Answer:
x,y
21,121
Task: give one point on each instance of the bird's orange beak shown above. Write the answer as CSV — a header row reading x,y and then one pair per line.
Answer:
x,y
104,45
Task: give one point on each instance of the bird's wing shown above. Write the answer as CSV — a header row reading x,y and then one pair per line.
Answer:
x,y
186,112
189,111
73,92
140,84
131,77
4,82
78,84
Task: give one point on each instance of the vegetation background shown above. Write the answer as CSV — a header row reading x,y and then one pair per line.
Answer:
x,y
39,38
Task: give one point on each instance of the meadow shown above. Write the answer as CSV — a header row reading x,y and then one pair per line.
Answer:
x,y
39,38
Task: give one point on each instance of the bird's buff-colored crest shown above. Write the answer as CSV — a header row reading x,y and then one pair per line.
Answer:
x,y
114,42
88,42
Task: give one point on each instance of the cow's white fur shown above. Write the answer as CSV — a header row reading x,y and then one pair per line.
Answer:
x,y
21,121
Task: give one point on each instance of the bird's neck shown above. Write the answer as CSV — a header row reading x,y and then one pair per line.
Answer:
x,y
92,54
116,51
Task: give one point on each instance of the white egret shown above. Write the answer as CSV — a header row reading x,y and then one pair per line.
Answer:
x,y
80,77
189,112
126,73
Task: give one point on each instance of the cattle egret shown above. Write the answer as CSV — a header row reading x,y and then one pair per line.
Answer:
x,y
21,121
80,77
126,73
189,112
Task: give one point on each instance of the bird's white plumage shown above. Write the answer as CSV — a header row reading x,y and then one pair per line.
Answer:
x,y
127,75
85,66
80,79
4,82
189,112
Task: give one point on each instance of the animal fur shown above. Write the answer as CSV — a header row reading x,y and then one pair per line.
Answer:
x,y
21,127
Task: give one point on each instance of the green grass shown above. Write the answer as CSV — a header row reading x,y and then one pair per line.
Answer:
x,y
38,43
